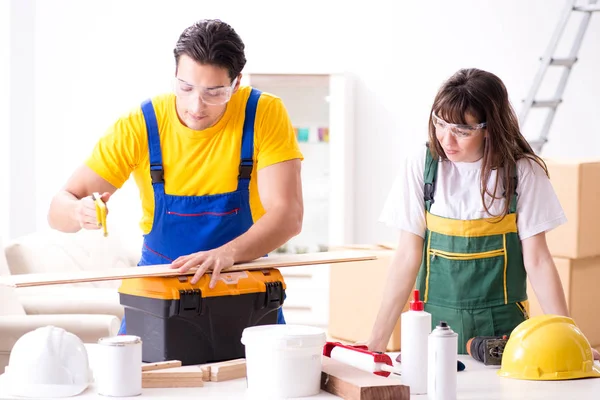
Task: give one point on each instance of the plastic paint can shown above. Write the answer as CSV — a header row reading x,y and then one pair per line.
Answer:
x,y
119,368
283,361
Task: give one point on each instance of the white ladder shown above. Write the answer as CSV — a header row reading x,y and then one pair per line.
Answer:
x,y
548,60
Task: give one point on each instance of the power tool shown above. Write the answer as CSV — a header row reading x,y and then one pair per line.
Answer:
x,y
487,349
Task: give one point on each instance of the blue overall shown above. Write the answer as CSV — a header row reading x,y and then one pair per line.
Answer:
x,y
188,224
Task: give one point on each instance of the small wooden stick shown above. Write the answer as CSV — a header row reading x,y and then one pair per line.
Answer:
x,y
161,365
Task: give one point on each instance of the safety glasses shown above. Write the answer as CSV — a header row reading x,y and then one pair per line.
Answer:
x,y
214,96
460,131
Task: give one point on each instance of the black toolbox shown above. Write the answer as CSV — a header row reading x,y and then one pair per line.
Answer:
x,y
195,324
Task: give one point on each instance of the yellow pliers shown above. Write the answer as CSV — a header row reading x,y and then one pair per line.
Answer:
x,y
100,211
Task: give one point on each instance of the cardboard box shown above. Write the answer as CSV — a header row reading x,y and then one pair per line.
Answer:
x,y
356,291
355,295
577,185
580,280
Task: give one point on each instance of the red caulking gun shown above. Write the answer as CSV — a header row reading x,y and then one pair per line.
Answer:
x,y
360,357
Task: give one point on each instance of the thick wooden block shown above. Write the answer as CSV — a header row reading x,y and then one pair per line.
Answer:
x,y
354,384
228,370
186,376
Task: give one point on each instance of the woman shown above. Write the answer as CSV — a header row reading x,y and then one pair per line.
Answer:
x,y
473,207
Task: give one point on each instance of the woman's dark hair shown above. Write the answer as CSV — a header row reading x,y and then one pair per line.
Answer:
x,y
212,42
483,95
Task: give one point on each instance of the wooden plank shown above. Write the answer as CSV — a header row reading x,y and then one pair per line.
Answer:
x,y
170,376
185,376
228,370
171,383
206,369
224,370
186,371
354,384
273,261
205,373
161,365
368,247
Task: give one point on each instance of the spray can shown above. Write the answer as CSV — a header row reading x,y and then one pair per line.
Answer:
x,y
415,325
443,357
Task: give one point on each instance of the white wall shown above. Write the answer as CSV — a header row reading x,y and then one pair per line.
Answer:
x,y
96,59
4,116
23,119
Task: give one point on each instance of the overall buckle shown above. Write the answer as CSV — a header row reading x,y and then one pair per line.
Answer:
x,y
157,173
246,167
428,192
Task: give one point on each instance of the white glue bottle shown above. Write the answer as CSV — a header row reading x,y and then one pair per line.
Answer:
x,y
415,326
443,357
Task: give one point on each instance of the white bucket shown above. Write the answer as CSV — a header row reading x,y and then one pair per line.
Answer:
x,y
283,361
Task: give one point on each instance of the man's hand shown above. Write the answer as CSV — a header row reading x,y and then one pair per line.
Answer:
x,y
214,260
71,209
596,354
85,211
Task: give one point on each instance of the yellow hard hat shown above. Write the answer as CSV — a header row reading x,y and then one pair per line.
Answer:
x,y
548,347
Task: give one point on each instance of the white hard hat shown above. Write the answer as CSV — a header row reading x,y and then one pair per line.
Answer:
x,y
48,362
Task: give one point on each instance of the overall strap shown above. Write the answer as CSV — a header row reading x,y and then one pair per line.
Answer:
x,y
156,167
247,153
429,177
512,208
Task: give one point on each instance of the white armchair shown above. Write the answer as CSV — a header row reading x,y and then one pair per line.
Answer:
x,y
87,327
88,310
52,251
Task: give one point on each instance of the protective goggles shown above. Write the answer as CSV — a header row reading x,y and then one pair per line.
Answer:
x,y
214,96
459,131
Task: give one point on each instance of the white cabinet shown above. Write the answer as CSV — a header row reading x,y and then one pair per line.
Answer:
x,y
321,109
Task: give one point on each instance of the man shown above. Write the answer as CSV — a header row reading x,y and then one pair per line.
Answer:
x,y
217,164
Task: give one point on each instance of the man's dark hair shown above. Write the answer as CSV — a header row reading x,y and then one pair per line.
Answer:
x,y
211,41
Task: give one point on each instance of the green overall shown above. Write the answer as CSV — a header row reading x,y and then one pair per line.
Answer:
x,y
472,274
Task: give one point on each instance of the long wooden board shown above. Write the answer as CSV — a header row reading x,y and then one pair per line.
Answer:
x,y
354,384
273,261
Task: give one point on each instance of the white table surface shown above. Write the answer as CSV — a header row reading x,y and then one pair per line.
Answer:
x,y
476,382
233,389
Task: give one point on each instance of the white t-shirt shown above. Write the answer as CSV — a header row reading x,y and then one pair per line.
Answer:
x,y
458,195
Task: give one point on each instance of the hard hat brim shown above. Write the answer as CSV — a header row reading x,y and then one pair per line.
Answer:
x,y
38,391
593,373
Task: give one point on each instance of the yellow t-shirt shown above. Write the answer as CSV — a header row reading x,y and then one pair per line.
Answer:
x,y
195,163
